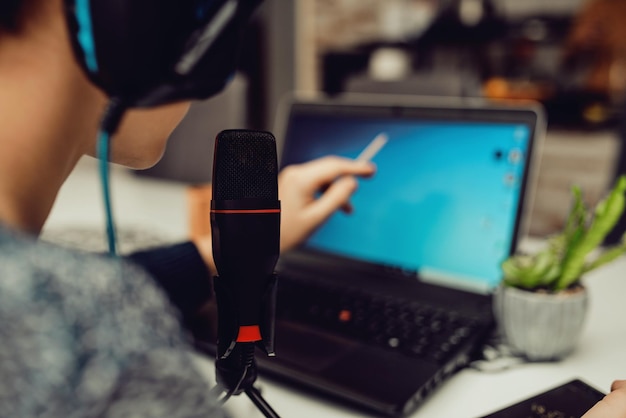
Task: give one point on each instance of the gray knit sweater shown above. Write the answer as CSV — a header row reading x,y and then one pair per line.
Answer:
x,y
83,335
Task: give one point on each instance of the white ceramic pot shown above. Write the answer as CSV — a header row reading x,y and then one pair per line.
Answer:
x,y
540,326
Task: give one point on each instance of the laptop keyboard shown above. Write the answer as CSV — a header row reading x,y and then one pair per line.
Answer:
x,y
413,328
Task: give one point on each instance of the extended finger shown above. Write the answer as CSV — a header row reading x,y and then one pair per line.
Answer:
x,y
325,170
335,197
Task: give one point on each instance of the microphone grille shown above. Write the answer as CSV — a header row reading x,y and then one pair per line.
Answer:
x,y
245,165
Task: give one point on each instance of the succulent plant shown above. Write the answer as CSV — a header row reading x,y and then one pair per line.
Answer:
x,y
576,250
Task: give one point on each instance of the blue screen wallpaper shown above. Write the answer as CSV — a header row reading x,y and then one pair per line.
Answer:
x,y
444,198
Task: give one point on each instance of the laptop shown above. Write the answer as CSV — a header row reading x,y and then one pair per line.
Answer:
x,y
380,306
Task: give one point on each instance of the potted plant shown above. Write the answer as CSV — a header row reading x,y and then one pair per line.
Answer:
x,y
541,304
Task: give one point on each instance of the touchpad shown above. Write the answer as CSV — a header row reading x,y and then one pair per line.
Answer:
x,y
308,349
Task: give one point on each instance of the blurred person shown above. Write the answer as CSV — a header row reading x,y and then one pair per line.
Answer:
x,y
85,334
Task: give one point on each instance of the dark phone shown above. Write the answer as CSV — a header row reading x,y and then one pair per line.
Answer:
x,y
570,400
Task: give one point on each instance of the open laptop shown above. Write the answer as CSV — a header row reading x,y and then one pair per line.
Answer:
x,y
380,306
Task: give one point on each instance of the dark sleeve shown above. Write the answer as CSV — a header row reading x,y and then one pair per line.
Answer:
x,y
180,270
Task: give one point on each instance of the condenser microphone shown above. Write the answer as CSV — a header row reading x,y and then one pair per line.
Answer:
x,y
245,222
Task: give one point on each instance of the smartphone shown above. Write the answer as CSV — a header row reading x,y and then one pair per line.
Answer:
x,y
570,400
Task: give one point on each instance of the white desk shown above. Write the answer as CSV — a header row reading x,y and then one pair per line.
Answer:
x,y
599,358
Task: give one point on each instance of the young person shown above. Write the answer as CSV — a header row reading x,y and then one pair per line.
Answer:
x,y
85,334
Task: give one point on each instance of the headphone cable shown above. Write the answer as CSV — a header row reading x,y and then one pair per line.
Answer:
x,y
110,122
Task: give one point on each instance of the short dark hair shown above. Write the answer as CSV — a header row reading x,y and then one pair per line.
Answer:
x,y
10,13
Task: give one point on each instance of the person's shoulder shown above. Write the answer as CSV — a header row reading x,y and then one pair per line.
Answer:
x,y
97,333
26,255
37,273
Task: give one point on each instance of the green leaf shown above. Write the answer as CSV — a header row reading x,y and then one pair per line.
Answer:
x,y
517,271
607,256
566,257
607,213
528,271
551,276
575,225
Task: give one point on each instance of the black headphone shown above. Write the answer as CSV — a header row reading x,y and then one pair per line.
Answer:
x,y
151,52
145,53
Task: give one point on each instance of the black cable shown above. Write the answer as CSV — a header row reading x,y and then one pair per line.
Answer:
x,y
116,108
246,358
232,391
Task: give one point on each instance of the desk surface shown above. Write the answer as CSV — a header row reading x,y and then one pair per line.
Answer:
x,y
141,202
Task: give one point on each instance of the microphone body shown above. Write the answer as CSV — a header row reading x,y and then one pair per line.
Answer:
x,y
245,249
245,223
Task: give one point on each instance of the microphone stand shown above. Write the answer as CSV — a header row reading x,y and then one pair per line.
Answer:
x,y
235,376
255,396
235,366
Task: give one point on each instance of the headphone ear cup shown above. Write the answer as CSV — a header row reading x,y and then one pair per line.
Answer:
x,y
131,48
127,47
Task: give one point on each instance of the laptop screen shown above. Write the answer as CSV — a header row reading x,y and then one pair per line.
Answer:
x,y
445,200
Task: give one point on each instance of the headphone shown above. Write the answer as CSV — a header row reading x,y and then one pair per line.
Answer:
x,y
145,53
152,52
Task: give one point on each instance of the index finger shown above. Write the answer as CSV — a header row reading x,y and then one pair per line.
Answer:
x,y
326,169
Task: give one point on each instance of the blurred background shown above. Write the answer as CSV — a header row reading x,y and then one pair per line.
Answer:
x,y
570,55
